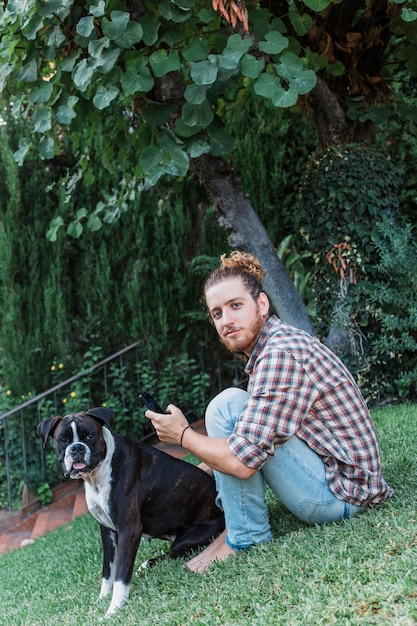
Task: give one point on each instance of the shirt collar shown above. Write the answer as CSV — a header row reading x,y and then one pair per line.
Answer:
x,y
266,333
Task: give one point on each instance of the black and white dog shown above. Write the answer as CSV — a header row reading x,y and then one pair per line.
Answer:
x,y
132,490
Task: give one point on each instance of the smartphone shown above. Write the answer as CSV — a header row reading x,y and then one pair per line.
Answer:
x,y
151,403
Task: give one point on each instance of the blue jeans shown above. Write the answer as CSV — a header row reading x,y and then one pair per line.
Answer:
x,y
295,474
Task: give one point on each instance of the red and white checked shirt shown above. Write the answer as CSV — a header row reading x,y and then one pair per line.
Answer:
x,y
297,386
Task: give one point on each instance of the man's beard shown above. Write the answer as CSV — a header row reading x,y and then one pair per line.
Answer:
x,y
247,342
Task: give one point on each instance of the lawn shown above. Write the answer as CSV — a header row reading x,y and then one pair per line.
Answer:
x,y
360,571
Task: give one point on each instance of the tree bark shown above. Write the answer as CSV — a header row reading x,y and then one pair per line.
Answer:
x,y
235,213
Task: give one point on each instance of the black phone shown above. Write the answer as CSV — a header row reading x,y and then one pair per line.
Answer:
x,y
151,403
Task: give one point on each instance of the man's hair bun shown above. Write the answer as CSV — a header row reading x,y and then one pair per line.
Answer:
x,y
245,263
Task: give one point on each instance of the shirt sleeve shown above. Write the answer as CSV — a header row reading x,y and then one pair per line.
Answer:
x,y
280,396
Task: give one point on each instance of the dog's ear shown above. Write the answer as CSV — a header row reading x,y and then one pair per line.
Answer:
x,y
46,428
102,415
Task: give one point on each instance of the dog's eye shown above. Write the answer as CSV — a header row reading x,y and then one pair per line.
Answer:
x,y
63,439
89,437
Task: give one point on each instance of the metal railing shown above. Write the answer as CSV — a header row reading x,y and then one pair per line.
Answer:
x,y
18,424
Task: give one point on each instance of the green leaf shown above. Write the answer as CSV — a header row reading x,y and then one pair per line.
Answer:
x,y
317,5
167,141
208,15
183,130
75,229
82,75
285,99
150,157
274,43
336,69
97,47
378,114
301,23
205,72
185,5
197,50
85,26
197,148
107,60
132,36
195,94
94,223
134,80
65,115
41,93
31,29
408,15
42,119
46,148
104,96
221,142
229,59
266,85
69,62
29,71
98,9
238,44
173,13
54,226
47,8
305,82
81,213
150,26
252,67
290,65
162,63
117,26
24,146
197,115
178,164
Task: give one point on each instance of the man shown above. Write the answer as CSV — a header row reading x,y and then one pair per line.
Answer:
x,y
302,425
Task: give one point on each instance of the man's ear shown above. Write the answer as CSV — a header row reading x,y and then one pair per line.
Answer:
x,y
263,303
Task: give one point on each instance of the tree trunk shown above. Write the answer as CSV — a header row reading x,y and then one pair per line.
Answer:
x,y
235,213
332,125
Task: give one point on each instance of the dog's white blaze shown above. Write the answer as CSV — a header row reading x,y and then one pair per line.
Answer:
x,y
76,438
98,486
120,595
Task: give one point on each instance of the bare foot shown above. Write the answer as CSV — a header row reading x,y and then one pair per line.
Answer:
x,y
218,550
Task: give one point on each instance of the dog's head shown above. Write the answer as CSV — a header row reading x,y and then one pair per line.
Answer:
x,y
79,440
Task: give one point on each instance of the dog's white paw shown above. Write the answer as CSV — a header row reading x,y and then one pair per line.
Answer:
x,y
119,597
145,565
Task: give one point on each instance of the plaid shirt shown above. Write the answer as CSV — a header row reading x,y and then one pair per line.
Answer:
x,y
297,386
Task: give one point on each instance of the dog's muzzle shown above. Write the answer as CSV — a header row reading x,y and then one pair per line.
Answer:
x,y
76,460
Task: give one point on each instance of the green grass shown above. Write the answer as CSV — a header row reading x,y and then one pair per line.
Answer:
x,y
360,571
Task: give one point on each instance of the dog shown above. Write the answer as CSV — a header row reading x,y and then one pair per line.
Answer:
x,y
132,490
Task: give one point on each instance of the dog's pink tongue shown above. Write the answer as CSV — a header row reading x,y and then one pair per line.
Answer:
x,y
79,466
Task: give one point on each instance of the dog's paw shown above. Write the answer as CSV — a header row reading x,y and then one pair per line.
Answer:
x,y
143,566
119,597
150,563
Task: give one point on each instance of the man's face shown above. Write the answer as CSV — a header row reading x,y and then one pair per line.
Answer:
x,y
238,318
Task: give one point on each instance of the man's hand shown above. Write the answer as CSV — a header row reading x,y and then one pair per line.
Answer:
x,y
170,426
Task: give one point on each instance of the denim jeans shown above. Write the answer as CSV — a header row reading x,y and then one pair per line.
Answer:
x,y
295,474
